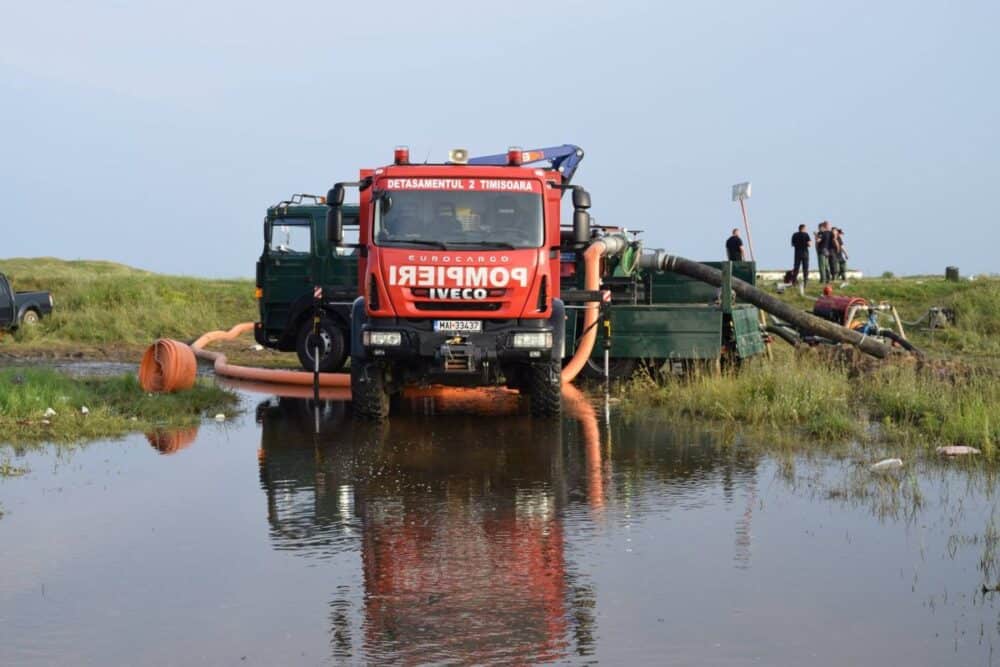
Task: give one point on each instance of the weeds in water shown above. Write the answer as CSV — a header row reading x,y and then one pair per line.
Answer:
x,y
759,394
829,402
8,469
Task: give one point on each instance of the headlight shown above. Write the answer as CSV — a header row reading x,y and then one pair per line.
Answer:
x,y
381,338
542,339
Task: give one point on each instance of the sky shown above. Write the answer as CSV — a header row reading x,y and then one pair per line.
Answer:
x,y
157,133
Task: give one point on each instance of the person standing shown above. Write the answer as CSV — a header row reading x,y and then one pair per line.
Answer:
x,y
834,253
801,243
734,247
841,253
824,246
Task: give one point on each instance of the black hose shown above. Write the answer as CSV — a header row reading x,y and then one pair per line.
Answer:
x,y
819,340
784,334
896,338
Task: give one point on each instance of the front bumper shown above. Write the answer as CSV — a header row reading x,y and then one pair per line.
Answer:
x,y
457,352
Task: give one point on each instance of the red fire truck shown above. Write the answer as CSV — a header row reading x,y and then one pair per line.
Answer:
x,y
459,276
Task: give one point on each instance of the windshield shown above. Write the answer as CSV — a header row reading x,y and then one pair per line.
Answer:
x,y
291,235
459,218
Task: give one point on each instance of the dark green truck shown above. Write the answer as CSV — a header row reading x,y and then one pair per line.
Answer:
x,y
659,318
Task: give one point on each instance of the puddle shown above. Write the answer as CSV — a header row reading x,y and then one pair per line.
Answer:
x,y
464,531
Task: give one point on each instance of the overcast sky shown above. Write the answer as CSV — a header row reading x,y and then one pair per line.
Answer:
x,y
157,133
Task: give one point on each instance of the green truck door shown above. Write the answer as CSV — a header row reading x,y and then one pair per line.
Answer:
x,y
289,270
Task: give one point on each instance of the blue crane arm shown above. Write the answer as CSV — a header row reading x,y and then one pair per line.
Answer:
x,y
564,159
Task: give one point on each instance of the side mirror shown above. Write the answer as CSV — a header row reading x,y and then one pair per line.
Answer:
x,y
335,195
335,214
581,198
267,233
581,227
335,225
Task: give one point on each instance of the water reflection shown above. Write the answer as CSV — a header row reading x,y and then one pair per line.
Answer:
x,y
458,526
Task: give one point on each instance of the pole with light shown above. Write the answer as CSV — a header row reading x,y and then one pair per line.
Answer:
x,y
741,192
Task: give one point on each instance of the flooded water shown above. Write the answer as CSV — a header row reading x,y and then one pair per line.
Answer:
x,y
465,532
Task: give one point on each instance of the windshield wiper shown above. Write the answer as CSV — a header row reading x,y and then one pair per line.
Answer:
x,y
484,244
403,242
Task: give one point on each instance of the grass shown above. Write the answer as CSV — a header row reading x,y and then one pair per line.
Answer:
x,y
923,405
115,406
111,311
102,308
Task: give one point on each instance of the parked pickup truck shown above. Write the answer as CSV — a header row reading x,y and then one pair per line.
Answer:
x,y
17,308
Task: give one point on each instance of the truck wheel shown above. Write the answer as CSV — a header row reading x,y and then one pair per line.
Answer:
x,y
369,398
544,389
333,352
30,318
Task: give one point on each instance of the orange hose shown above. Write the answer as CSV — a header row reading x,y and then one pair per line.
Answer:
x,y
167,366
592,280
223,367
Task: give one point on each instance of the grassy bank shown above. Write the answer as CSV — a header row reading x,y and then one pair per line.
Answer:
x,y
114,406
104,309
822,398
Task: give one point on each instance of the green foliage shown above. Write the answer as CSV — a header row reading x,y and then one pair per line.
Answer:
x,y
925,406
115,406
760,394
102,303
921,405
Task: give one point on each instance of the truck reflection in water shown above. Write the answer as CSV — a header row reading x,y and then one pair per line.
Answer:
x,y
460,518
458,522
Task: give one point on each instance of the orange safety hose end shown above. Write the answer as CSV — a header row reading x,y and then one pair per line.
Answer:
x,y
167,366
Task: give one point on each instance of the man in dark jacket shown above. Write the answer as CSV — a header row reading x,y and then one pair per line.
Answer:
x,y
734,247
801,243
824,248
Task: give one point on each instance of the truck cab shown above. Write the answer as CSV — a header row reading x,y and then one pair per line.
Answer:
x,y
297,257
459,279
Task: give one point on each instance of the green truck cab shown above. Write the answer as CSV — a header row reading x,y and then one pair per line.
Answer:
x,y
657,318
296,259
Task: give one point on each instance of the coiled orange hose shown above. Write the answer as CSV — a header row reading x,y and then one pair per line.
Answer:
x,y
167,366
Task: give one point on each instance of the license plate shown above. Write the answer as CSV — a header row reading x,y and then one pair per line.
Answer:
x,y
458,326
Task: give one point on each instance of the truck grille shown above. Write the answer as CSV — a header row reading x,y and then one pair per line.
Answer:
x,y
488,306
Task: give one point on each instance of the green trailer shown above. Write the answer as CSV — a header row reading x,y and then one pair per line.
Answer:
x,y
669,321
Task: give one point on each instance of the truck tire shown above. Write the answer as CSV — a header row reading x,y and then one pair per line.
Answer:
x,y
544,389
30,318
369,398
333,352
